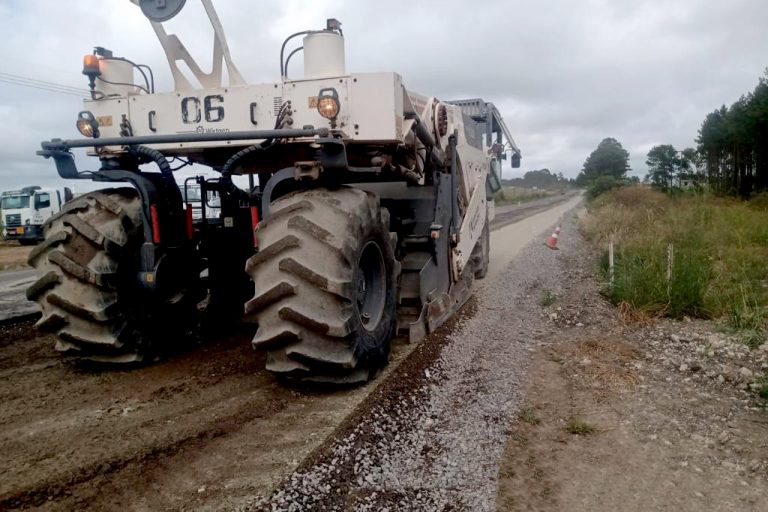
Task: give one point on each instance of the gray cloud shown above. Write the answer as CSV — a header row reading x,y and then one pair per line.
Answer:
x,y
565,74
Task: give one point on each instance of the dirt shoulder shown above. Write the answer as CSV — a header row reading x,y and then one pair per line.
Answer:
x,y
199,431
13,256
657,417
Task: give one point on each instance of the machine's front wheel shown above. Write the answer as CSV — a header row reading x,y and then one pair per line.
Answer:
x,y
326,281
88,291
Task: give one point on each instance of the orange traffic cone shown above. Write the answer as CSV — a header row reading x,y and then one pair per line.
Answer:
x,y
552,242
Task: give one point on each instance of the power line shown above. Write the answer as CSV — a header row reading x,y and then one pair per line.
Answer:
x,y
42,82
71,93
42,85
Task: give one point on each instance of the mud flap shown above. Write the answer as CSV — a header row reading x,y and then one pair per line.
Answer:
x,y
435,312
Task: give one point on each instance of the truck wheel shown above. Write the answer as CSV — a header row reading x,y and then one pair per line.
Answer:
x,y
87,292
481,253
325,279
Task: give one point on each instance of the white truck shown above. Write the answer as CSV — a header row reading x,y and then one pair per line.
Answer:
x,y
25,211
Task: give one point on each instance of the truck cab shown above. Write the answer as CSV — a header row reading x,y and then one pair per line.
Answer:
x,y
25,211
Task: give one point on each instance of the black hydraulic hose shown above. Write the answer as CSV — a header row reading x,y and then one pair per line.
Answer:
x,y
228,186
423,133
229,166
288,60
151,77
138,67
282,49
155,156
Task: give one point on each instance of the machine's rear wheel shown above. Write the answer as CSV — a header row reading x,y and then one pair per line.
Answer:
x,y
325,279
87,289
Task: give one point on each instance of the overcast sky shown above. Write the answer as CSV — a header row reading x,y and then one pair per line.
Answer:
x,y
564,73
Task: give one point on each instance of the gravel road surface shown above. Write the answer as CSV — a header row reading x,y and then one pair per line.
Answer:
x,y
436,443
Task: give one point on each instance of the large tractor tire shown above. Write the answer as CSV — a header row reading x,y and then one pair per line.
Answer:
x,y
326,286
87,290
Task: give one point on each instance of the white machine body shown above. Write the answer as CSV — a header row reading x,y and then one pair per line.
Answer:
x,y
324,55
374,108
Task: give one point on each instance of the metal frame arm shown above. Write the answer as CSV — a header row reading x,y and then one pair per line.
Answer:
x,y
499,122
65,145
176,51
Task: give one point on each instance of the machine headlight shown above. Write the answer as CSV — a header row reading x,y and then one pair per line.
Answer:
x,y
328,103
87,124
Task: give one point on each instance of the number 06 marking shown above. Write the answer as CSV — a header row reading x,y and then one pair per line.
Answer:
x,y
191,113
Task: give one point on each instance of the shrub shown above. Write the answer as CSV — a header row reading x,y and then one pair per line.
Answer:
x,y
601,185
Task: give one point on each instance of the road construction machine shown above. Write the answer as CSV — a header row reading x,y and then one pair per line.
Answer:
x,y
366,215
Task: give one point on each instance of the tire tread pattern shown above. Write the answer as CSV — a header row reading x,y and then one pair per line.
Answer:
x,y
309,245
78,261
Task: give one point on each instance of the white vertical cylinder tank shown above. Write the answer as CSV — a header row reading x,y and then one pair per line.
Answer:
x,y
324,55
117,72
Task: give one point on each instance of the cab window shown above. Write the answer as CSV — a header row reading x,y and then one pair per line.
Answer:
x,y
42,201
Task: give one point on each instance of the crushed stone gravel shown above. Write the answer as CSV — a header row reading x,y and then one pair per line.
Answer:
x,y
436,443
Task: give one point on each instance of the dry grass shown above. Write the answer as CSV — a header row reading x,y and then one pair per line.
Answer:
x,y
515,195
607,369
633,316
529,416
579,428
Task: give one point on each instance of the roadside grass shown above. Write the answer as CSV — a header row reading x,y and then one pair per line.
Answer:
x,y
515,195
548,299
763,391
720,249
529,416
579,427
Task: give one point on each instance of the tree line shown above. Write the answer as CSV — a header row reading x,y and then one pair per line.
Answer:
x,y
732,152
541,178
733,144
731,156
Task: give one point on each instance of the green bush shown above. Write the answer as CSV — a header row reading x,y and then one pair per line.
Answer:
x,y
602,184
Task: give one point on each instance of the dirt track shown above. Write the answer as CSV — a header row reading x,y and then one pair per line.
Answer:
x,y
202,430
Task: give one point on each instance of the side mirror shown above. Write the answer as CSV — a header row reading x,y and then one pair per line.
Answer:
x,y
515,160
67,194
